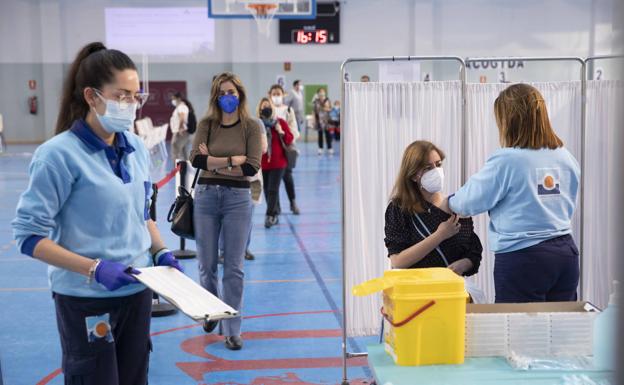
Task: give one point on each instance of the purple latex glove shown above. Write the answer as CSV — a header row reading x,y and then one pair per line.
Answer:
x,y
113,275
167,259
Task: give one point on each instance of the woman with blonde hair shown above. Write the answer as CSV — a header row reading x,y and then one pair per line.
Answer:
x,y
419,233
529,187
227,148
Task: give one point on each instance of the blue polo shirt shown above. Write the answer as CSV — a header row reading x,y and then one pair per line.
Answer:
x,y
530,195
90,198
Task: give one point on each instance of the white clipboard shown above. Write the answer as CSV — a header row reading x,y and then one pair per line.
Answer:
x,y
185,294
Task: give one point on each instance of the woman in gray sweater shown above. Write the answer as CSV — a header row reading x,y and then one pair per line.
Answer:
x,y
227,147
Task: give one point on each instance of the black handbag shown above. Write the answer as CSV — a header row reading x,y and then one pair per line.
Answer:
x,y
292,153
181,212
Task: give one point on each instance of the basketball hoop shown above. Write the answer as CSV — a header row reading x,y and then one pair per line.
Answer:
x,y
263,13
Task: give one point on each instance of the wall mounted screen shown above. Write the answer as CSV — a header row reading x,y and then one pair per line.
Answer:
x,y
160,31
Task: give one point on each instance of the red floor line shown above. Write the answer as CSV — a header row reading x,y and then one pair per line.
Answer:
x,y
55,373
49,377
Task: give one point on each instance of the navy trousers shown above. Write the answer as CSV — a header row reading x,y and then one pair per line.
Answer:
x,y
120,357
546,272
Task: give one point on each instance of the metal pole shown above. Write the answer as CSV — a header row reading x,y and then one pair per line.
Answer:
x,y
345,377
182,253
345,353
159,309
582,179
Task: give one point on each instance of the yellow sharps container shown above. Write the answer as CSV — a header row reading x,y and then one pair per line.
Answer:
x,y
425,315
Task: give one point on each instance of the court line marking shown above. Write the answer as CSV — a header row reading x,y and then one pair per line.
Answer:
x,y
328,297
57,372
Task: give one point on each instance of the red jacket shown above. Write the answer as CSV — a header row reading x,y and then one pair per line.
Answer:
x,y
278,154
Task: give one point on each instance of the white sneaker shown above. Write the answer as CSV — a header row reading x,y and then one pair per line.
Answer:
x,y
320,151
330,151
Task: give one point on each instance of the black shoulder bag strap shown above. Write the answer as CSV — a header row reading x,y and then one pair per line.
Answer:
x,y
437,248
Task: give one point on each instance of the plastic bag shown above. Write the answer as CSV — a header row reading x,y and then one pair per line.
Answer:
x,y
582,379
520,362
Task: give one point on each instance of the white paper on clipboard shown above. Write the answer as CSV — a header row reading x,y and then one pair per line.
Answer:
x,y
185,294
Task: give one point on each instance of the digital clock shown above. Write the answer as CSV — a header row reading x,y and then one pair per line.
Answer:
x,y
323,30
304,36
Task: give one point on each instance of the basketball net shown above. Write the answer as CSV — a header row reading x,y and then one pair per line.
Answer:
x,y
263,14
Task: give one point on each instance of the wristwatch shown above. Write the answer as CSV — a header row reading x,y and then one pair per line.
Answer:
x,y
229,166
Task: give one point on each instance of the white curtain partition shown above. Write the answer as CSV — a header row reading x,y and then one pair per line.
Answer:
x,y
563,101
380,120
605,99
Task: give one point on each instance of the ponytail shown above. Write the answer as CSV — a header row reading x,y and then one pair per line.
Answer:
x,y
93,67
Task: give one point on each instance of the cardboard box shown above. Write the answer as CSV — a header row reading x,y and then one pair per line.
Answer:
x,y
535,307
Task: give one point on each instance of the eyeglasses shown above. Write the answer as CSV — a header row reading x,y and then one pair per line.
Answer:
x,y
125,99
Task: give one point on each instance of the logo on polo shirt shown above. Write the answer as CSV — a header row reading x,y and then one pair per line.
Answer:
x,y
548,181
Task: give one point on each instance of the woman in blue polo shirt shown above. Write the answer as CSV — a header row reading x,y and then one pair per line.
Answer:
x,y
85,213
529,187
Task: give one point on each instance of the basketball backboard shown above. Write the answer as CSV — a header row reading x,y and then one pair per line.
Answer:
x,y
239,9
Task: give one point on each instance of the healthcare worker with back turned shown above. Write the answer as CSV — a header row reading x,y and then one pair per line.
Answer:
x,y
529,187
86,214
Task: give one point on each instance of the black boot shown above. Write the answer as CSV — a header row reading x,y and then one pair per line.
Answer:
x,y
234,343
294,208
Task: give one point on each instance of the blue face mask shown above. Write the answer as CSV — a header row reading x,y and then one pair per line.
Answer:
x,y
117,118
228,103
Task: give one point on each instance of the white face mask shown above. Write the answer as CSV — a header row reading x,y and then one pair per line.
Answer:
x,y
433,180
174,102
277,100
118,117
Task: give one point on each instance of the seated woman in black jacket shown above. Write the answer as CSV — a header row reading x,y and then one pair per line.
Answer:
x,y
420,234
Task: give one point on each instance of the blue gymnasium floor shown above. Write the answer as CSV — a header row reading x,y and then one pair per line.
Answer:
x,y
292,296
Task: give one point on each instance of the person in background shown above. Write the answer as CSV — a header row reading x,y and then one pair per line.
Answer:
x,y
365,78
322,107
287,113
274,162
255,185
178,123
86,214
296,101
334,120
227,147
419,232
529,188
2,140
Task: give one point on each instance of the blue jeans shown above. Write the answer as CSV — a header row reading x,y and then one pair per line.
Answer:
x,y
219,208
546,272
248,238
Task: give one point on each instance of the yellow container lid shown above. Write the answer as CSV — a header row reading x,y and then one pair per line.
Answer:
x,y
410,282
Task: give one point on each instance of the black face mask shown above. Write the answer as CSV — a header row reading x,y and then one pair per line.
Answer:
x,y
266,112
